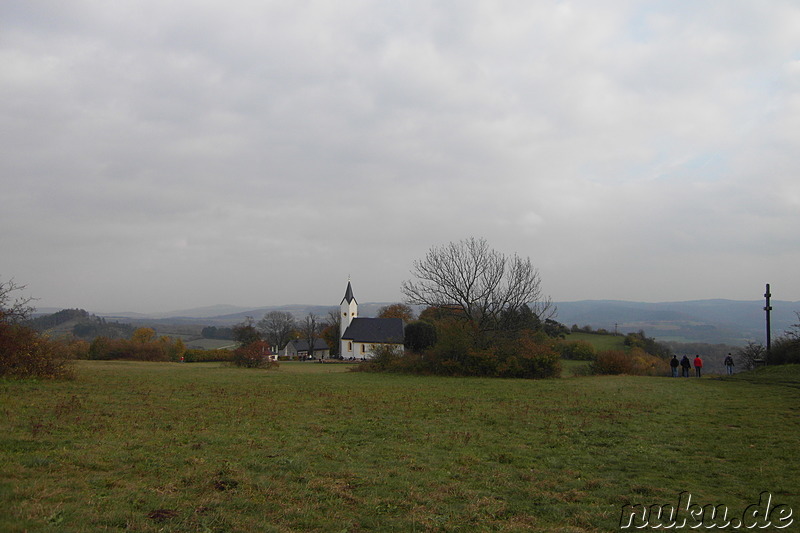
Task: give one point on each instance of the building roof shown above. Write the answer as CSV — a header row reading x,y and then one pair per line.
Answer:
x,y
301,345
375,330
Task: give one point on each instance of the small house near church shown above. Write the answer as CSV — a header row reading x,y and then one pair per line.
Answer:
x,y
360,336
298,349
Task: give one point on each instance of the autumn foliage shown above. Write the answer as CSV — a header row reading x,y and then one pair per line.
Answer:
x,y
254,355
635,362
143,346
26,354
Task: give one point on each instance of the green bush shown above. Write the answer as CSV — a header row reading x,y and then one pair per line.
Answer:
x,y
577,350
420,336
785,351
384,359
526,356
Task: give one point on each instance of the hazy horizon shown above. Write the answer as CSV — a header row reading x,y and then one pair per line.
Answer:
x,y
235,309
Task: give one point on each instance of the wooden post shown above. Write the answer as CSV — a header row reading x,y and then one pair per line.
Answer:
x,y
767,309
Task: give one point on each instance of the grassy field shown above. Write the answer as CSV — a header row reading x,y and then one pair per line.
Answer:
x,y
310,447
210,344
600,342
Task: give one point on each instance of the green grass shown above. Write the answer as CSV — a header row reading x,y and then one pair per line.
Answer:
x,y
209,344
312,447
572,368
600,342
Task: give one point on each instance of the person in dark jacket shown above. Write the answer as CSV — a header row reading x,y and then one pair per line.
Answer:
x,y
729,364
674,364
685,366
698,365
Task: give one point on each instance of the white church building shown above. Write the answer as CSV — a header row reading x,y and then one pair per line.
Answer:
x,y
360,336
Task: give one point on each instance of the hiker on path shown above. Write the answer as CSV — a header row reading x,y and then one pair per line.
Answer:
x,y
698,365
729,364
674,364
685,366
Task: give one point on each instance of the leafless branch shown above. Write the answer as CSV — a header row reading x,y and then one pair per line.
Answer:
x,y
481,281
14,309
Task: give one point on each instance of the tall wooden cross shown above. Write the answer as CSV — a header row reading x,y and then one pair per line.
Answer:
x,y
768,308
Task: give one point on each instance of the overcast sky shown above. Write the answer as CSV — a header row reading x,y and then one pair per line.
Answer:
x,y
165,155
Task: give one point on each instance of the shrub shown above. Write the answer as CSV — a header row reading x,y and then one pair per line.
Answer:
x,y
207,356
420,336
26,354
577,350
526,356
384,359
163,349
254,355
648,344
72,348
748,356
785,351
532,358
454,347
636,362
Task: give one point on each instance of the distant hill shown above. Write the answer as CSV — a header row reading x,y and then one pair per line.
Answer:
x,y
234,315
710,321
78,323
713,321
42,322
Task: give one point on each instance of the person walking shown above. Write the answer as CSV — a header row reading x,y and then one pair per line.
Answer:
x,y
685,366
674,364
698,365
729,364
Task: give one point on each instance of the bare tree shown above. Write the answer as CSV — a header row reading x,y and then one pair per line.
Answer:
x,y
751,355
794,330
14,309
277,327
311,330
330,331
480,281
334,320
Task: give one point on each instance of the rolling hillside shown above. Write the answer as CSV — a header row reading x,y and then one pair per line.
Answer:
x,y
713,321
731,322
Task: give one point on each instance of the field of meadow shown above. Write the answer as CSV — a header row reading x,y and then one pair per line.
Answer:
x,y
314,447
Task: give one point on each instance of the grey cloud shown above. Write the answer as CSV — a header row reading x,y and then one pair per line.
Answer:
x,y
284,146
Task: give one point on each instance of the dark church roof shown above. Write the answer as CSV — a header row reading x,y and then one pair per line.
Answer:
x,y
375,330
348,294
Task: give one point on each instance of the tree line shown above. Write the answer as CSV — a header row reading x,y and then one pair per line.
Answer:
x,y
87,326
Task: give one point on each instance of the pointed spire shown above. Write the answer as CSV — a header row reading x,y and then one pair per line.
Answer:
x,y
348,294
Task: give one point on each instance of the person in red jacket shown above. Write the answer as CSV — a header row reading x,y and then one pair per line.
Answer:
x,y
698,365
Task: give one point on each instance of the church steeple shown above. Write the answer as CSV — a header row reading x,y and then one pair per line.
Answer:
x,y
349,310
348,294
